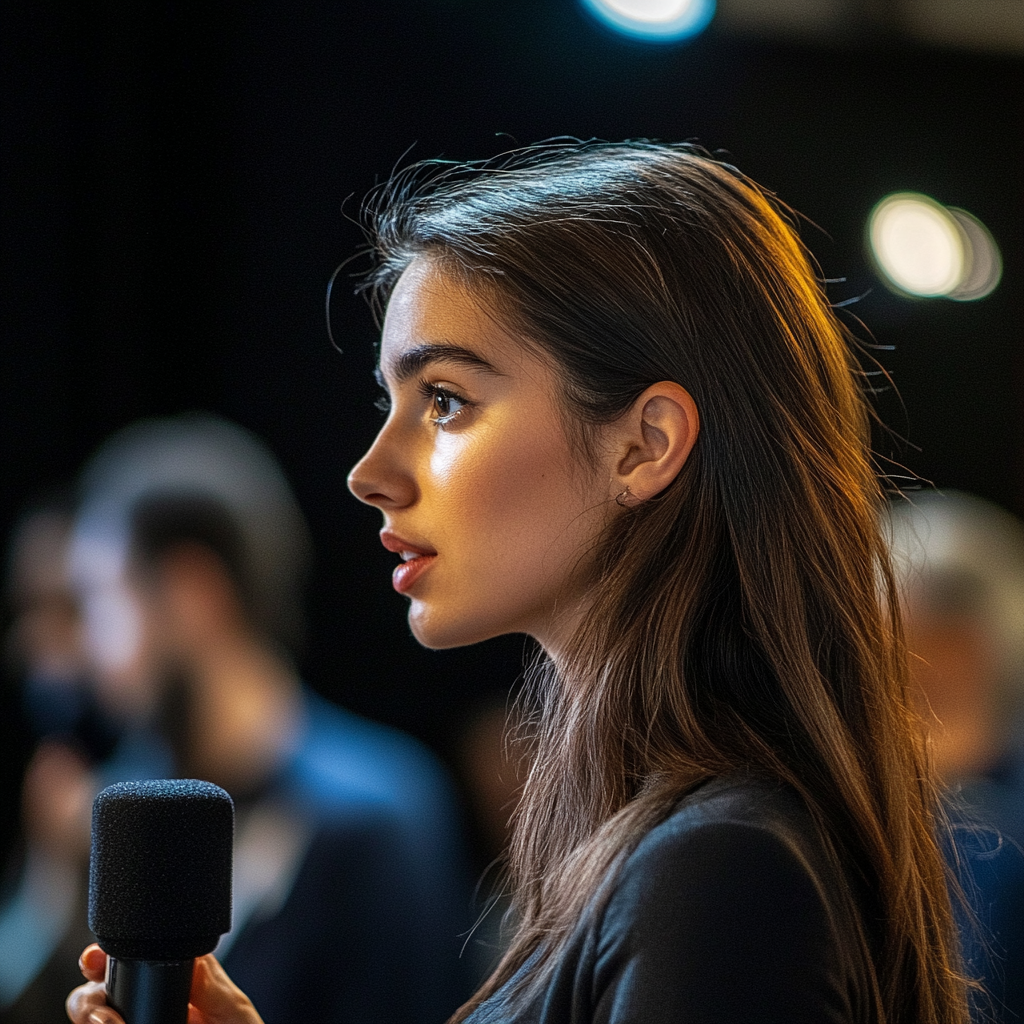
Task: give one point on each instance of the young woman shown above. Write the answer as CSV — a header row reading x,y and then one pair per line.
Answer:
x,y
624,420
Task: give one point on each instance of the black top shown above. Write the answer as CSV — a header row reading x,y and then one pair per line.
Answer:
x,y
728,911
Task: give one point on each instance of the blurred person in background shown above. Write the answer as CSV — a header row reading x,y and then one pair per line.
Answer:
x,y
349,898
64,736
961,566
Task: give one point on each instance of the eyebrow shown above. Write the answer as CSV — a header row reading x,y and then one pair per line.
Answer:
x,y
412,361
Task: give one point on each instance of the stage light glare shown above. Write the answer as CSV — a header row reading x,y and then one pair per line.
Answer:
x,y
664,20
984,265
918,245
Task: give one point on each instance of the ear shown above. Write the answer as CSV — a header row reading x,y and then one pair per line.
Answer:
x,y
652,441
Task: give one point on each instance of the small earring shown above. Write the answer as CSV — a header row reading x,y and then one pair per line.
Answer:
x,y
623,497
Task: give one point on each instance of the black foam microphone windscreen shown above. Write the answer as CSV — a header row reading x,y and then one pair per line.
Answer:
x,y
159,879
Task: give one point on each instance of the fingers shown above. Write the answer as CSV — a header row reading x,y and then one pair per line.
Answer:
x,y
93,963
87,1004
216,999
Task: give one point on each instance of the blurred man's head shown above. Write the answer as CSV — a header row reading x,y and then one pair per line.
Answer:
x,y
188,537
961,566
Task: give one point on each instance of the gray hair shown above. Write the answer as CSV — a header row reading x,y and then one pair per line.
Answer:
x,y
964,556
198,455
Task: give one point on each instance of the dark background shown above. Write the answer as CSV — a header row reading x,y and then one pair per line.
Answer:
x,y
177,182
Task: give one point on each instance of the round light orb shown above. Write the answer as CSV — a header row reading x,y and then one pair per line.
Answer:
x,y
658,20
984,265
918,245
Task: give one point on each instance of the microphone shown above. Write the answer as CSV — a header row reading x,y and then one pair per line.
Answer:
x,y
159,890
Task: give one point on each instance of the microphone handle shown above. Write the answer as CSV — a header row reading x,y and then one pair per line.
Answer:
x,y
149,991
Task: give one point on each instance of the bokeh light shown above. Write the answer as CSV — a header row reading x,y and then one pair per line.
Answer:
x,y
926,249
917,244
657,20
985,264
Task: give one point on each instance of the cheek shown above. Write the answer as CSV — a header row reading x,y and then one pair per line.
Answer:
x,y
512,505
486,474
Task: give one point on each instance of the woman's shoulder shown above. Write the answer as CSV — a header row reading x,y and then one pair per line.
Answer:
x,y
732,906
746,828
725,911
743,804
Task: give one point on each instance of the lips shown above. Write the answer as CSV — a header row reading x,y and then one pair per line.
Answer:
x,y
416,559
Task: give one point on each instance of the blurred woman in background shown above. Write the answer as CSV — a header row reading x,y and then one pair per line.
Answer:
x,y
624,420
959,561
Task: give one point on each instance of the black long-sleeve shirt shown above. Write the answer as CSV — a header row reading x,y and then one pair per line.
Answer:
x,y
728,912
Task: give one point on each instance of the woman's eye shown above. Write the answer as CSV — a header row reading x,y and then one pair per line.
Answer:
x,y
444,405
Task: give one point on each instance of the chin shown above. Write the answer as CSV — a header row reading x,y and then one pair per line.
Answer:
x,y
439,633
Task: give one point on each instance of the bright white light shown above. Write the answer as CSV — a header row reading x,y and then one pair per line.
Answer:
x,y
917,244
655,19
985,265
924,248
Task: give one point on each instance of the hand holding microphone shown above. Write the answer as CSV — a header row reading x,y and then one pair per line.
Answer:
x,y
159,898
215,999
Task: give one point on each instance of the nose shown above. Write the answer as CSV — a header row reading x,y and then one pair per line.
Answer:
x,y
380,478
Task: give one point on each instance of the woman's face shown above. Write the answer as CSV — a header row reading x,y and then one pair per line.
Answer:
x,y
482,498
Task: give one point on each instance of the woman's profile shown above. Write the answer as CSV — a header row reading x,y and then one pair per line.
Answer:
x,y
624,420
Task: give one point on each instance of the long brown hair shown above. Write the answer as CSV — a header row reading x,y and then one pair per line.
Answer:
x,y
745,618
